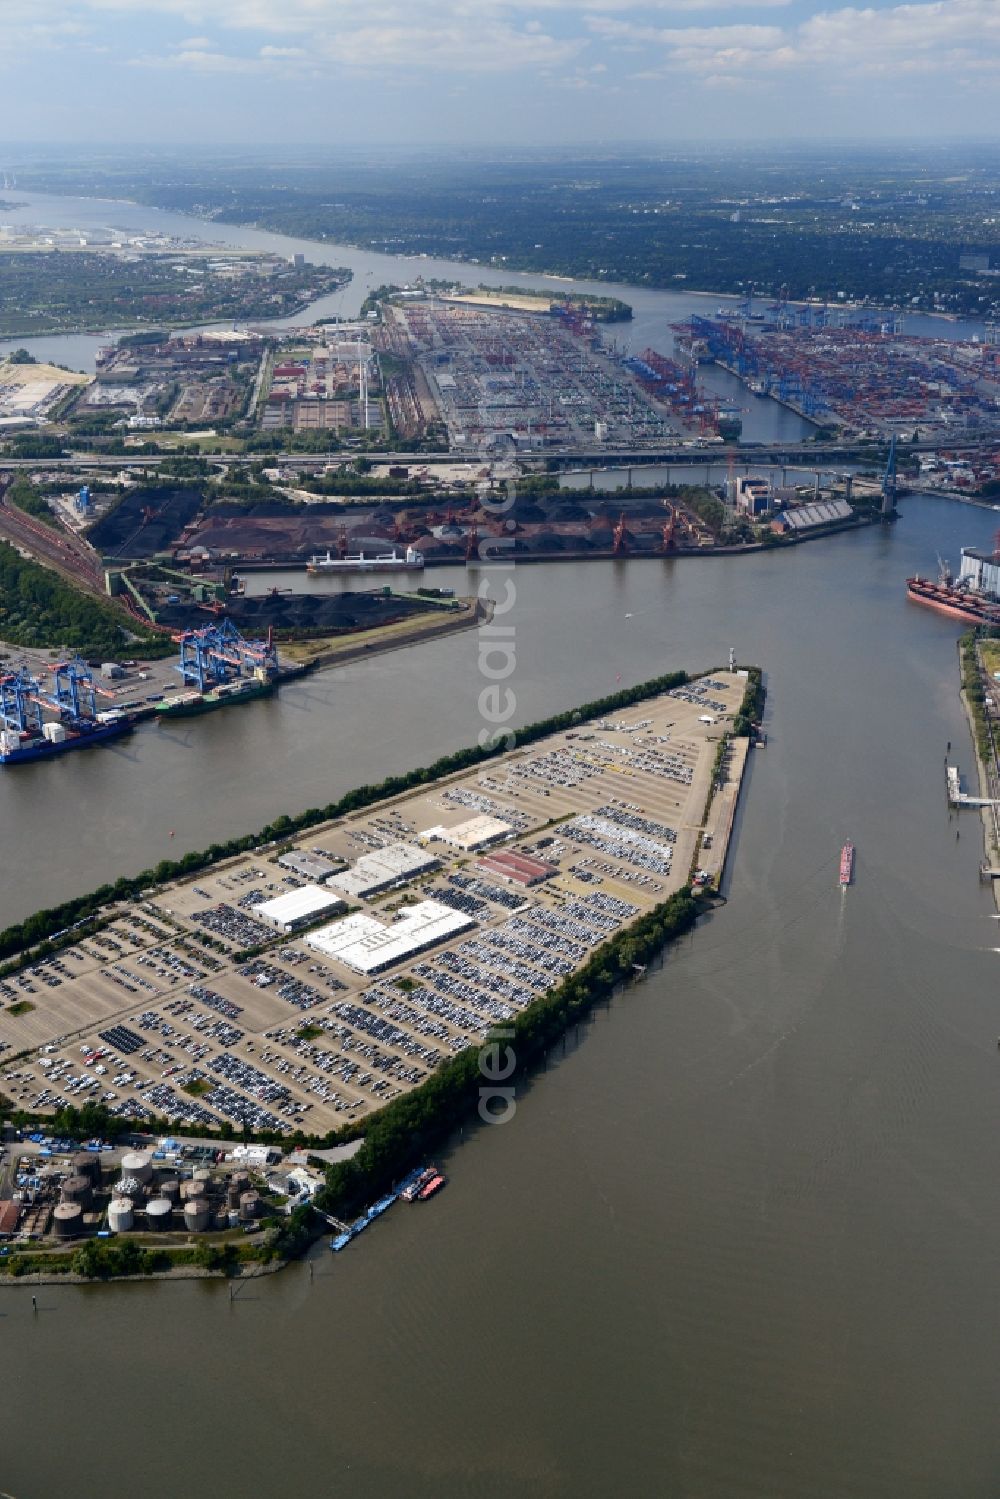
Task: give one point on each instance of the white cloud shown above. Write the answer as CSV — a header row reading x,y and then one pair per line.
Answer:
x,y
942,37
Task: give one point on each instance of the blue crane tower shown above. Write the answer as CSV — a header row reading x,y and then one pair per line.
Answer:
x,y
20,704
75,695
219,653
889,483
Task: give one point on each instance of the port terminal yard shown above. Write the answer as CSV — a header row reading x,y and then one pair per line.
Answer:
x,y
190,1006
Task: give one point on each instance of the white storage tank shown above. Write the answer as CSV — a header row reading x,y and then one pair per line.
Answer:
x,y
191,1190
197,1215
121,1215
158,1213
138,1163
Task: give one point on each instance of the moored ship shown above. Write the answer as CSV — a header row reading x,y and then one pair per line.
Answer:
x,y
188,704
21,748
961,601
847,863
381,562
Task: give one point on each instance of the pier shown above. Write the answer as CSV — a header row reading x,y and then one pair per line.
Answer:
x,y
959,798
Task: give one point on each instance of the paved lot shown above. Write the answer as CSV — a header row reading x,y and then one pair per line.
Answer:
x,y
189,1006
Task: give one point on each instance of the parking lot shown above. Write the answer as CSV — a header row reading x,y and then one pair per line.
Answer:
x,y
187,1006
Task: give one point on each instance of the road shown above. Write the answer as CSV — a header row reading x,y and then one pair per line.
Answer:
x,y
565,457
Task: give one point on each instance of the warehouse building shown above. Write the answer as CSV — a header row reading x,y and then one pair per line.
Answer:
x,y
383,869
517,869
476,833
297,908
311,866
809,517
368,947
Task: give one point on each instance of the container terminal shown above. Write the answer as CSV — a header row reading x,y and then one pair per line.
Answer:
x,y
855,372
55,710
301,985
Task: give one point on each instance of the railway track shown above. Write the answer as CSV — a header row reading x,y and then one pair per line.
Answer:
x,y
66,554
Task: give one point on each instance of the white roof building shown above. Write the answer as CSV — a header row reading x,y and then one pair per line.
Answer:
x,y
367,946
382,869
297,908
477,832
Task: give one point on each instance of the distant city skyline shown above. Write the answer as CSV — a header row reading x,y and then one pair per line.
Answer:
x,y
495,71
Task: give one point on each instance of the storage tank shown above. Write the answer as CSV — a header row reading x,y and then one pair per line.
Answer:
x,y
77,1189
249,1207
121,1215
170,1187
88,1165
197,1215
221,1220
239,1183
191,1190
158,1213
201,1175
67,1220
138,1163
233,1217
128,1186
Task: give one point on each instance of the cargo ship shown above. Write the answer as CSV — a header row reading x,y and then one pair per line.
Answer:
x,y
957,602
847,863
188,704
58,739
381,562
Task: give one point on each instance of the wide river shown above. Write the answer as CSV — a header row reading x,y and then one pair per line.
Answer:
x,y
741,1239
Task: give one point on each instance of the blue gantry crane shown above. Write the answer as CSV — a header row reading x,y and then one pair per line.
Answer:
x,y
219,653
20,703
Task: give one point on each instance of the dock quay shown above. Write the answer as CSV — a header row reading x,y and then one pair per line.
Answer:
x,y
305,983
717,834
959,798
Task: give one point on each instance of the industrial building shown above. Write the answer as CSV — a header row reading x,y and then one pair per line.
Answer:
x,y
517,868
476,833
809,517
297,908
311,866
383,869
368,947
981,571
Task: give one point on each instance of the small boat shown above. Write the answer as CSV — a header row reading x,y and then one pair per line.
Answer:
x,y
434,1185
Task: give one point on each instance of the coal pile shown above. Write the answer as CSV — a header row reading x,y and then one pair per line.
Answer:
x,y
301,613
146,522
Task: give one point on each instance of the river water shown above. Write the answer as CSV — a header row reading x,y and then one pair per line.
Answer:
x,y
740,1240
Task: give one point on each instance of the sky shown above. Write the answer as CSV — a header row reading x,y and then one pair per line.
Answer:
x,y
497,72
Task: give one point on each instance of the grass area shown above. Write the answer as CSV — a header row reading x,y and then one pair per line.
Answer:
x,y
21,1007
199,1086
989,651
328,646
196,442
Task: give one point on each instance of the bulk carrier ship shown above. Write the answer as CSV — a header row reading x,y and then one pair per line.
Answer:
x,y
958,602
382,562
